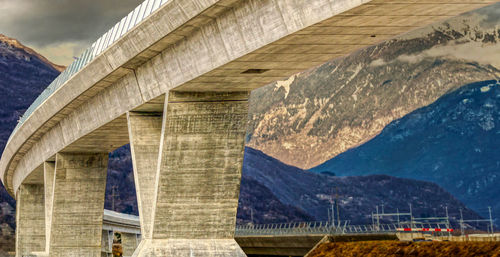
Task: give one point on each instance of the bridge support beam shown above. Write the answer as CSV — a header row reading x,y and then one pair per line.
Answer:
x,y
107,243
49,170
197,176
78,204
129,244
145,133
30,220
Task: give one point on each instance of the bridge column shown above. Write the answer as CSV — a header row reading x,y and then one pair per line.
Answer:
x,y
197,176
107,243
49,170
145,133
129,244
30,220
78,204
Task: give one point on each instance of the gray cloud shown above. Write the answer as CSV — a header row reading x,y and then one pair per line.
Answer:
x,y
61,27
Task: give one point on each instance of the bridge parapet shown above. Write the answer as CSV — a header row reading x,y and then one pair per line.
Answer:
x,y
176,87
126,24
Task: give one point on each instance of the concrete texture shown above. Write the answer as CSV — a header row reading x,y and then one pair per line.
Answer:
x,y
78,205
200,166
107,243
49,170
191,248
30,220
115,221
145,135
199,151
129,244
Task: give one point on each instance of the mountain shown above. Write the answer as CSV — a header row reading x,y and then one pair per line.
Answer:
x,y
274,192
453,142
24,74
318,114
258,205
358,196
14,47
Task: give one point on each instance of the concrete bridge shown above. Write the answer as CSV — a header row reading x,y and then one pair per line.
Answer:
x,y
173,80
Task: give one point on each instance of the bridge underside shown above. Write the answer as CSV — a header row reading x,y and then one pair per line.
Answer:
x,y
176,88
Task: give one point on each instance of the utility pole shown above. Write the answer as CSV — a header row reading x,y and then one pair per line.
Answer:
x,y
373,222
331,211
491,220
411,217
447,221
397,211
461,222
411,222
378,219
337,204
113,195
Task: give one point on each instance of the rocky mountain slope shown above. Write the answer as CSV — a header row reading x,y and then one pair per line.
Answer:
x,y
318,114
274,192
24,74
358,196
453,142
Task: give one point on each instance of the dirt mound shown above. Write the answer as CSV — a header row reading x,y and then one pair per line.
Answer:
x,y
392,248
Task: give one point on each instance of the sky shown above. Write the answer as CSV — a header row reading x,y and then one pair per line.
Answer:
x,y
61,29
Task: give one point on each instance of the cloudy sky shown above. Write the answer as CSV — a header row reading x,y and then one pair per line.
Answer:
x,y
60,29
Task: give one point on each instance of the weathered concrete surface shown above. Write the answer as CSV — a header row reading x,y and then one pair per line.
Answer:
x,y
200,167
115,221
207,46
129,244
107,243
30,220
198,172
189,247
145,135
78,205
49,171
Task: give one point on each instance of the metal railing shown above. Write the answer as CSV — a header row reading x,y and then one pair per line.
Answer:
x,y
100,45
325,227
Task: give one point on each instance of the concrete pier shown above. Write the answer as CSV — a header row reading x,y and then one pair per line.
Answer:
x,y
198,174
129,244
49,171
145,134
78,204
30,220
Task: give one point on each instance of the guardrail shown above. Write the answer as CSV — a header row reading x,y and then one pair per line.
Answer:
x,y
325,227
100,45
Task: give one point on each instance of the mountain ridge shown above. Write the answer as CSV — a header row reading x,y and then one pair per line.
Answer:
x,y
453,142
12,42
318,114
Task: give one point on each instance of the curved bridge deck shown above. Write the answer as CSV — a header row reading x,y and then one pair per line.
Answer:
x,y
173,80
